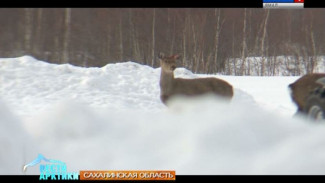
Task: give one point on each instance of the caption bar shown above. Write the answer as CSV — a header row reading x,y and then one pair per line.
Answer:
x,y
127,175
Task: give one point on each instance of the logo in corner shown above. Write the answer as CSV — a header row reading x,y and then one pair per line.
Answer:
x,y
52,169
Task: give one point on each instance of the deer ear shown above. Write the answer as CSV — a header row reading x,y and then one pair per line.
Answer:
x,y
177,56
161,55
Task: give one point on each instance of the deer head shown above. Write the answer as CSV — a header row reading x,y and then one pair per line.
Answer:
x,y
168,63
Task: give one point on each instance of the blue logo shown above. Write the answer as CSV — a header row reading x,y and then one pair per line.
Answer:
x,y
52,169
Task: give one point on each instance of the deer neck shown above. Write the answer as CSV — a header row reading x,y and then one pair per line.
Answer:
x,y
166,80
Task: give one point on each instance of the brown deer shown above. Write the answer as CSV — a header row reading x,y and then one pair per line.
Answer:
x,y
301,89
170,86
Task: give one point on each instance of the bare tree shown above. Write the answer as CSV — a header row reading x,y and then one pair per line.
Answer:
x,y
153,37
263,42
210,40
217,35
28,29
184,41
67,30
313,46
39,25
121,39
244,46
233,51
171,20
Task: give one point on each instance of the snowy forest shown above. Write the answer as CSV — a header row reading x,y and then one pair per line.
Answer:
x,y
236,41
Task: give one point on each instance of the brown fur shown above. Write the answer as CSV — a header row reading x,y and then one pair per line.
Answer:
x,y
170,86
301,88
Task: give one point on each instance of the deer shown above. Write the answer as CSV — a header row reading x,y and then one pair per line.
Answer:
x,y
302,87
171,86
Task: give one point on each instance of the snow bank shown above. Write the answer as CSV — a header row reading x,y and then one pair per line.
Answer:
x,y
30,86
16,145
199,136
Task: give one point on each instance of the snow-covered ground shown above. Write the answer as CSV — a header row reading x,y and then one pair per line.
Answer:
x,y
111,118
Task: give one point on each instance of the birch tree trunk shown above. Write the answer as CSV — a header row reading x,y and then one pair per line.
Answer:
x,y
121,40
313,46
67,30
28,29
263,42
216,38
314,57
173,35
39,36
233,51
243,52
184,43
153,38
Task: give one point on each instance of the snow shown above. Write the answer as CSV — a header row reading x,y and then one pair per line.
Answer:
x,y
16,144
111,118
